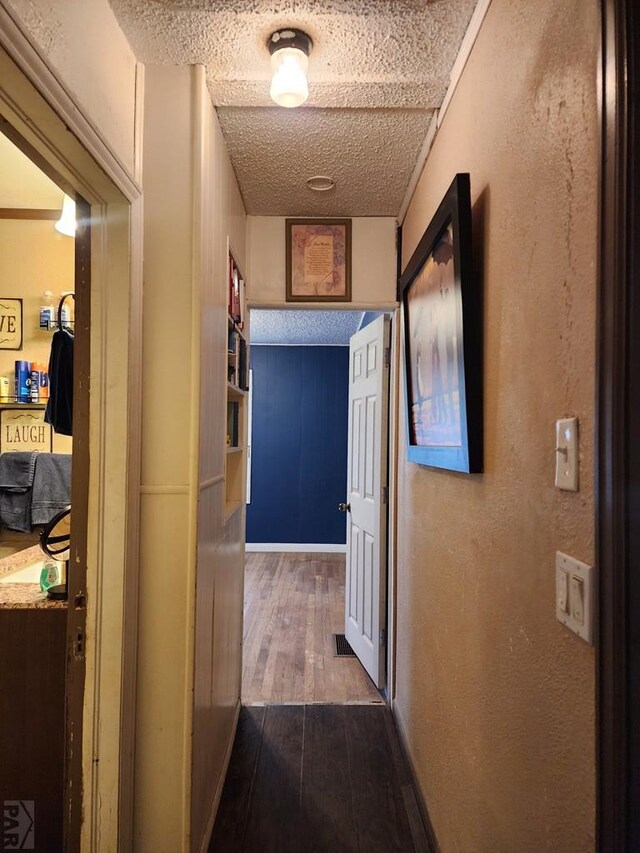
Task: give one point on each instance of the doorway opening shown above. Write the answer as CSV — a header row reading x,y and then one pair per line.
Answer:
x,y
99,662
44,317
300,539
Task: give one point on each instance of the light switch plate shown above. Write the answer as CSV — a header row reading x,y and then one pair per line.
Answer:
x,y
567,454
575,580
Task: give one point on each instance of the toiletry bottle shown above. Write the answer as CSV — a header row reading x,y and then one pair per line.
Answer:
x,y
34,388
43,371
47,310
23,381
50,574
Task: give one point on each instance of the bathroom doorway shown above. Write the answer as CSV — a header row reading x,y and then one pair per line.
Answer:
x,y
44,264
99,646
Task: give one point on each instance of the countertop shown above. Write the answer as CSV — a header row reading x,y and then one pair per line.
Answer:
x,y
24,595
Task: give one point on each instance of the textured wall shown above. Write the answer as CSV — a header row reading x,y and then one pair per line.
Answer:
x,y
495,696
83,42
34,258
299,444
373,255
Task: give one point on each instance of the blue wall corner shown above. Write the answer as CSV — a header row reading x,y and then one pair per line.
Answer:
x,y
299,444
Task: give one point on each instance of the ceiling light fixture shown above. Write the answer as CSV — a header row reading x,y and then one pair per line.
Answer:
x,y
67,223
321,183
289,51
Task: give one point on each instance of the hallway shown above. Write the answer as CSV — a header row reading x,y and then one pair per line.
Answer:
x,y
293,603
317,779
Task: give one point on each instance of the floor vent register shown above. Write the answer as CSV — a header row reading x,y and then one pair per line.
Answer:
x,y
341,647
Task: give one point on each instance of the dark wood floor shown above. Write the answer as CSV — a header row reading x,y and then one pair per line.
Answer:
x,y
317,779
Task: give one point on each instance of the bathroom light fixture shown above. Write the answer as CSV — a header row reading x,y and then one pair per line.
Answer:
x,y
67,223
289,51
321,183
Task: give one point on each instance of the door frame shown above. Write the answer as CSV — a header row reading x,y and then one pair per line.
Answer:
x,y
618,421
52,124
393,310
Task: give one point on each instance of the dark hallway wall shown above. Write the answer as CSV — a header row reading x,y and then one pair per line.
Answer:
x,y
299,444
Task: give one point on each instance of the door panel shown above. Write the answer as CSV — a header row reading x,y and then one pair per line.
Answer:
x,y
365,606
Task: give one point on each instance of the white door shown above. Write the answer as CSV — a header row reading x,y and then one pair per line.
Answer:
x,y
366,504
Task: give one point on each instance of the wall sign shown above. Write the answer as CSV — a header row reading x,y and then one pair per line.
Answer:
x,y
24,429
10,323
318,260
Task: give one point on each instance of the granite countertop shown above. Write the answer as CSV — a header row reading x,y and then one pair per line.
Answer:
x,y
24,595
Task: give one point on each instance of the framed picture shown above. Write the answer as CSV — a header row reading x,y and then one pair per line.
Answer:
x,y
442,310
24,429
10,323
318,260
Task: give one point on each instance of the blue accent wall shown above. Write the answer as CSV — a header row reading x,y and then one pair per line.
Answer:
x,y
299,444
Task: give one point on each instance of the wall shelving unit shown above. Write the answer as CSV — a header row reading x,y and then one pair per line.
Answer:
x,y
237,386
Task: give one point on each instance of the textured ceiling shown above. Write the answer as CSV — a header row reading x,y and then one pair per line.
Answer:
x,y
303,328
377,70
22,184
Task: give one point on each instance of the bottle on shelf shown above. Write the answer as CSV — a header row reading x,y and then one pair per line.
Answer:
x,y
47,310
23,381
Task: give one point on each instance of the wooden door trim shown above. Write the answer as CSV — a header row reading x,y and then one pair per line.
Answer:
x,y
64,143
618,421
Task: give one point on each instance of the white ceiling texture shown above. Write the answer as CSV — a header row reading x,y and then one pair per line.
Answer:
x,y
377,70
303,328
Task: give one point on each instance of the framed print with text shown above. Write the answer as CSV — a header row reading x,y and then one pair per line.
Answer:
x,y
318,261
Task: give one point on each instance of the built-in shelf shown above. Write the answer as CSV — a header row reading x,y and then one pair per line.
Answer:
x,y
230,508
234,391
237,366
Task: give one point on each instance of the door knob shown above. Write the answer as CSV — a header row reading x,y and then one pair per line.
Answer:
x,y
344,507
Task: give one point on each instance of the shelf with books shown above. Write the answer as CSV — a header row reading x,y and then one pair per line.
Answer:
x,y
237,359
237,384
236,302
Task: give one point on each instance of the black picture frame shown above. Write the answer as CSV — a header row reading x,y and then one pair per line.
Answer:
x,y
11,308
442,322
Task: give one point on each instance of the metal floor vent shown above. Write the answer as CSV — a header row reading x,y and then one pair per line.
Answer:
x,y
341,647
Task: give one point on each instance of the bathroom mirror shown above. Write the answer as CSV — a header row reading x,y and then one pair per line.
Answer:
x,y
55,541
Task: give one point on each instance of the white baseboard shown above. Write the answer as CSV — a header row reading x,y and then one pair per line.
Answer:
x,y
295,548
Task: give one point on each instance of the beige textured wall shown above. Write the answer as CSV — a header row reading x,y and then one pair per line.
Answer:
x,y
373,267
34,258
496,697
83,42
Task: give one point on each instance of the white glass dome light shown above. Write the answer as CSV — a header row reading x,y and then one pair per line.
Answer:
x,y
67,223
289,51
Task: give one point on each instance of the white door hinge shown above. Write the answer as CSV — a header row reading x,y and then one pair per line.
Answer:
x,y
387,356
385,494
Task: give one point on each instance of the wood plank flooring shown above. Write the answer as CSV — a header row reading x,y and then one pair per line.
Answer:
x,y
317,779
293,605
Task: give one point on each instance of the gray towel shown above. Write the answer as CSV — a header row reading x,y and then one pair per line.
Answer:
x,y
51,486
16,480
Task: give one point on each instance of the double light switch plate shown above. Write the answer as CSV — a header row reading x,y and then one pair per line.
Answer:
x,y
575,595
